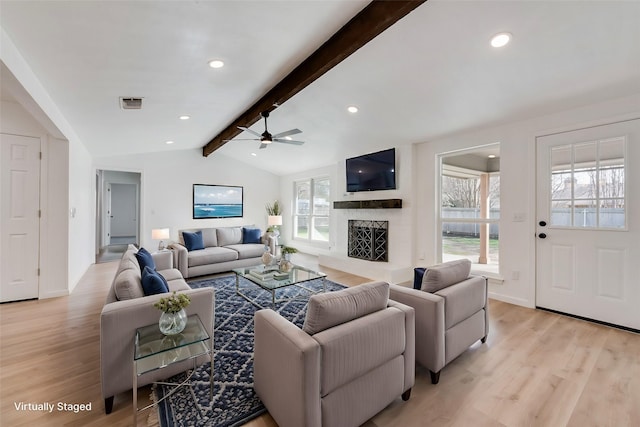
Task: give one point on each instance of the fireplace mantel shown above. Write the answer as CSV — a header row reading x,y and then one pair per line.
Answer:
x,y
368,204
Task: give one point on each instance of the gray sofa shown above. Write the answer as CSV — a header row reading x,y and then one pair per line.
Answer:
x,y
127,309
354,356
451,313
223,250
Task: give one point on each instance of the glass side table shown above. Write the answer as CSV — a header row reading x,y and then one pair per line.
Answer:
x,y
153,350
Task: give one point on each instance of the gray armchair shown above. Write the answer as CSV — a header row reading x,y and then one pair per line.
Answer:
x,y
354,356
451,313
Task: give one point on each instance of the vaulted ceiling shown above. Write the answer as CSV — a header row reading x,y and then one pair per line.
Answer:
x,y
431,74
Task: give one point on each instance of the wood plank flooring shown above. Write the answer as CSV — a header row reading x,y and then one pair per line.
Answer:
x,y
536,369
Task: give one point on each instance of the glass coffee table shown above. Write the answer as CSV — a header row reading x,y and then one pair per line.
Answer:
x,y
153,350
270,279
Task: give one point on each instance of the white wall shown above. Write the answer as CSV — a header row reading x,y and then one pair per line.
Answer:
x,y
400,244
517,181
78,244
167,188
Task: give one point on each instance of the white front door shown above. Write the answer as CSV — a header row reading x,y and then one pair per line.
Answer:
x,y
588,223
19,217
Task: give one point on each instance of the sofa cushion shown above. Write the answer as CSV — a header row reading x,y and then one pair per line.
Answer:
x,y
145,259
445,274
208,236
229,236
251,235
127,284
211,256
193,241
249,250
153,283
334,308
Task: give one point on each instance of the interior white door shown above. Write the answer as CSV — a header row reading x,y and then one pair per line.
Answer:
x,y
588,223
19,217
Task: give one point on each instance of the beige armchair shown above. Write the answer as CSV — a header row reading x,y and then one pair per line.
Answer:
x,y
451,313
354,356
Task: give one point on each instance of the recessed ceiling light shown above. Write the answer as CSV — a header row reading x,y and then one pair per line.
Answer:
x,y
492,156
216,63
500,39
352,109
184,117
288,138
169,142
254,154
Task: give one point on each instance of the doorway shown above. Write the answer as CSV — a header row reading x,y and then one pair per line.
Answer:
x,y
118,213
19,217
588,223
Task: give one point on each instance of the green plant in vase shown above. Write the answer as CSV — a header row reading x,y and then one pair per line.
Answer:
x,y
173,319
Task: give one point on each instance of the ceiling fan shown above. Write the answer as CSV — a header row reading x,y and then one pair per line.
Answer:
x,y
266,138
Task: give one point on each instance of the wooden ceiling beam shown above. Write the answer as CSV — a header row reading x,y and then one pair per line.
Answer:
x,y
361,29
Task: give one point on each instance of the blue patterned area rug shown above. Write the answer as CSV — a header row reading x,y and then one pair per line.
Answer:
x,y
234,401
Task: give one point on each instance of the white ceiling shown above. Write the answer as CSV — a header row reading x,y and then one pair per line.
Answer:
x,y
432,74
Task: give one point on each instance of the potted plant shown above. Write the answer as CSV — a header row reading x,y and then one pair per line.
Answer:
x,y
287,251
173,318
273,209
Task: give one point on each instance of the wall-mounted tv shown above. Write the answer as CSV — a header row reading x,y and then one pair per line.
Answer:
x,y
374,171
217,201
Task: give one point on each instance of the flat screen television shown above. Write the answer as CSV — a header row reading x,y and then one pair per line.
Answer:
x,y
370,172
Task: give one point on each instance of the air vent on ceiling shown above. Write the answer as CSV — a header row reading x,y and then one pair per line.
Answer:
x,y
130,103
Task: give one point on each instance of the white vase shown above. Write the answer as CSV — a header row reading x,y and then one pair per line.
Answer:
x,y
173,323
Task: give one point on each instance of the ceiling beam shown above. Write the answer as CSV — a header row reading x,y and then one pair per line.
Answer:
x,y
361,29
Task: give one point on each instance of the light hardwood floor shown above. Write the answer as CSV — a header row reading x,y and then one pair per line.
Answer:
x,y
536,369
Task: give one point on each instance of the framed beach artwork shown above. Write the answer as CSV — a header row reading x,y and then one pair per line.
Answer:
x,y
217,201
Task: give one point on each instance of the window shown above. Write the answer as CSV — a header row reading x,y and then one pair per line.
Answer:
x,y
588,185
311,218
470,207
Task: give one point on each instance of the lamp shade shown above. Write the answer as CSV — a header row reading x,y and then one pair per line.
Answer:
x,y
160,233
274,220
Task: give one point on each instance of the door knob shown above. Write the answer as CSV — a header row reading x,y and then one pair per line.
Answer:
x,y
542,235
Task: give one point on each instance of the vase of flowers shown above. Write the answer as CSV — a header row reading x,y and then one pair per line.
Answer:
x,y
173,318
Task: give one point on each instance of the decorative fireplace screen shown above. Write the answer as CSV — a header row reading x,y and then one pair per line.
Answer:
x,y
368,240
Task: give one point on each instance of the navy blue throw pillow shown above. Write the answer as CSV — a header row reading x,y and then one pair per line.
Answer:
x,y
193,241
251,235
145,259
153,282
418,274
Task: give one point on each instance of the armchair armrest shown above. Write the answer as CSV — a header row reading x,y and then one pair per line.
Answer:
x,y
410,343
163,260
180,258
430,326
118,323
286,370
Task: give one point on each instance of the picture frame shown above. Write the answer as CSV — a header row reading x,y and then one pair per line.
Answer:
x,y
217,201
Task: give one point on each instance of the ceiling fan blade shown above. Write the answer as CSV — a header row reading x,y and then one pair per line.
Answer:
x,y
263,146
248,130
287,133
289,141
241,139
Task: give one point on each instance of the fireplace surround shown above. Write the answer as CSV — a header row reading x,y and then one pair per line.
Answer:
x,y
368,240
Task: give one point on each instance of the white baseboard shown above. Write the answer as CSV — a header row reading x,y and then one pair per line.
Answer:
x,y
511,300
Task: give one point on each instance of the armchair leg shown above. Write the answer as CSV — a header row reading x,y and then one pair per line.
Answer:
x,y
435,377
406,395
108,405
483,339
